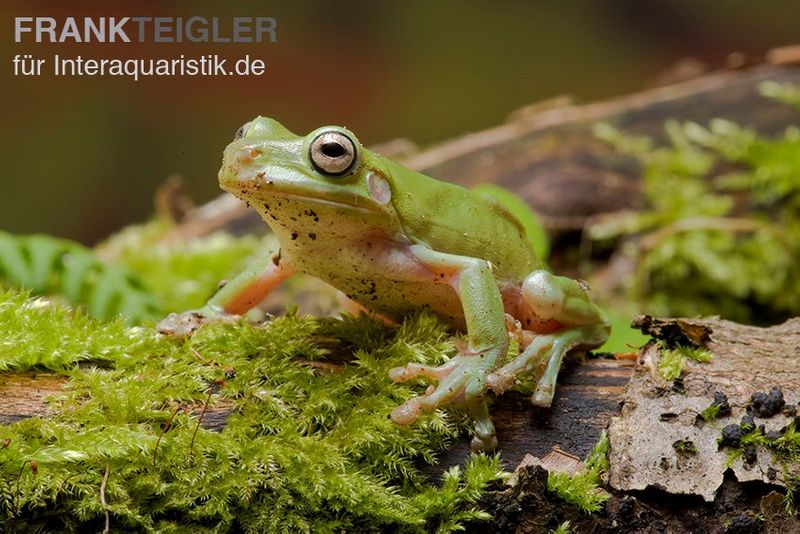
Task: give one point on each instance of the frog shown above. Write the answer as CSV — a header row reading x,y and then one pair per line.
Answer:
x,y
396,242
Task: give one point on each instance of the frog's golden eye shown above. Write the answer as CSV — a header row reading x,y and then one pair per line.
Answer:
x,y
242,131
333,153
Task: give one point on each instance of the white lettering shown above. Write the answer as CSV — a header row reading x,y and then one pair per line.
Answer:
x,y
91,31
45,25
19,29
115,29
70,31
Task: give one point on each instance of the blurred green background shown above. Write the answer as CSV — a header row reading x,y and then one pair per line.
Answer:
x,y
81,157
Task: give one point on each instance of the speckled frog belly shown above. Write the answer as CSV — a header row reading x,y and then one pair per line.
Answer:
x,y
379,273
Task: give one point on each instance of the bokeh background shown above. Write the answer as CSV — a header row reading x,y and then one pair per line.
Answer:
x,y
81,157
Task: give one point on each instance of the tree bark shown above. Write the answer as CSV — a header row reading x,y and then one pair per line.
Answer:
x,y
667,471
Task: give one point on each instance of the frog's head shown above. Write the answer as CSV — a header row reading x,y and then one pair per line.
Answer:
x,y
282,174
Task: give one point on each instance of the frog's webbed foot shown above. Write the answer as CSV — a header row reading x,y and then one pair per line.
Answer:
x,y
184,324
462,381
546,350
582,324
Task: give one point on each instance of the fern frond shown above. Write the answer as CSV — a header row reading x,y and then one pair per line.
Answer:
x,y
51,266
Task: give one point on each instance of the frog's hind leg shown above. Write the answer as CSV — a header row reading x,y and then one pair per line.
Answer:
x,y
583,324
461,380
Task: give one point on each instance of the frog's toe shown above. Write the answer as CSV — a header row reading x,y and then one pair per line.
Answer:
x,y
484,438
483,443
461,381
500,381
414,370
180,325
434,396
543,396
407,413
450,390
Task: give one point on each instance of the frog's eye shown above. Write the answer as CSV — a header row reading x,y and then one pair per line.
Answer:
x,y
332,153
242,131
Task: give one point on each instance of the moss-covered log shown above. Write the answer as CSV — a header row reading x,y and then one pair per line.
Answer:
x,y
679,451
587,398
239,428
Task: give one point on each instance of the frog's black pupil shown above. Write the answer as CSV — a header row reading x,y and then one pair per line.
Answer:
x,y
333,150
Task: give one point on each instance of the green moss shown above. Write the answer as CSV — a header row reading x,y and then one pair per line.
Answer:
x,y
672,360
563,528
698,354
38,334
583,490
452,504
719,234
792,492
684,447
783,92
303,448
711,413
785,450
181,274
597,461
670,364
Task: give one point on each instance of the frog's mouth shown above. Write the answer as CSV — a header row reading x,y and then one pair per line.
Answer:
x,y
255,194
257,184
329,202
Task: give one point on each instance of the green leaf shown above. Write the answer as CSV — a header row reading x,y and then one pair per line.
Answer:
x,y
52,266
623,337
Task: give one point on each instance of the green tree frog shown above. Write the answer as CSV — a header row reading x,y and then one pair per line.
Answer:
x,y
396,241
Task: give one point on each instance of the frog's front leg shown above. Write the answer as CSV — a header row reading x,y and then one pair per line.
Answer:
x,y
462,380
236,297
583,324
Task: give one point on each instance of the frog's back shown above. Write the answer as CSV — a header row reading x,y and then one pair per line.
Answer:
x,y
449,218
